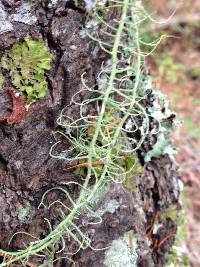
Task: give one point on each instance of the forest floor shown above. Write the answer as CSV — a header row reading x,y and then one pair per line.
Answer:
x,y
176,71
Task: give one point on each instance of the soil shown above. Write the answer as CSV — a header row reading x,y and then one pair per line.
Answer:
x,y
27,170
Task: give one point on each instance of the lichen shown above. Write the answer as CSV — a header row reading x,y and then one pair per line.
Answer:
x,y
171,212
24,14
5,24
97,199
133,168
162,146
129,163
23,214
122,252
110,207
26,63
161,113
1,79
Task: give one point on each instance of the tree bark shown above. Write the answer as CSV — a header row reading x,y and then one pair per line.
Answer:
x,y
27,170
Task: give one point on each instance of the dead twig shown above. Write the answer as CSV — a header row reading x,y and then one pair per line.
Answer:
x,y
85,164
174,21
157,244
150,227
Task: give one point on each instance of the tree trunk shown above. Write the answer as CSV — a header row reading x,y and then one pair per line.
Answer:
x,y
27,170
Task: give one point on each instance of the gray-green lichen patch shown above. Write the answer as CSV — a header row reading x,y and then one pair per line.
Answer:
x,y
100,205
160,103
24,14
90,4
23,214
5,24
110,207
162,146
122,252
100,195
160,111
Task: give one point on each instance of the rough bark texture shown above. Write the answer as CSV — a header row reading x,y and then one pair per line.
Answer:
x,y
27,170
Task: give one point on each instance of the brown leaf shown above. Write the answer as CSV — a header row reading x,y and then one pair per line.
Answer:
x,y
19,109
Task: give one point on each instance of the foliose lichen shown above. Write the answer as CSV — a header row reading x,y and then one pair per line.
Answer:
x,y
161,112
26,63
1,79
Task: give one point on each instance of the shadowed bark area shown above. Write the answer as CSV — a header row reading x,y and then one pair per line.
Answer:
x,y
26,168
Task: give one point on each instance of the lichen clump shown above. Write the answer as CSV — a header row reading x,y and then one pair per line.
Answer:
x,y
26,63
1,80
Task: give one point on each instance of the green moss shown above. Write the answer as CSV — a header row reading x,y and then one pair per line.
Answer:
x,y
26,63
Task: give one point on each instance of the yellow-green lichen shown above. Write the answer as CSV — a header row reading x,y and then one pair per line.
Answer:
x,y
171,212
26,63
1,79
133,168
